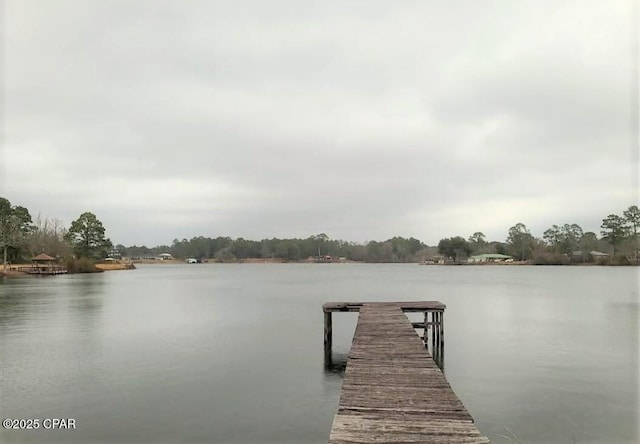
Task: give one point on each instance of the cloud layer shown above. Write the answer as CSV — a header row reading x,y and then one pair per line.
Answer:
x,y
363,120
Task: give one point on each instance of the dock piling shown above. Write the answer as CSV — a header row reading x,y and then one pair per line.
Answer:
x,y
328,338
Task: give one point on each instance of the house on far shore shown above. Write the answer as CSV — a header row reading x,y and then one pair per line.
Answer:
x,y
433,260
165,257
595,255
320,259
114,254
489,257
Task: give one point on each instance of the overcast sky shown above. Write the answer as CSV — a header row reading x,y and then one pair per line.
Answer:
x,y
360,119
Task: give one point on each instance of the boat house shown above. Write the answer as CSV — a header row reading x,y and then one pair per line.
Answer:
x,y
44,264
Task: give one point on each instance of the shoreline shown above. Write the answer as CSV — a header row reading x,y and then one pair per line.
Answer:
x,y
304,261
115,267
12,271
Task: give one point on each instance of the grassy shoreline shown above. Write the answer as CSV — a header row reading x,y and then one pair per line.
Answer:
x,y
116,266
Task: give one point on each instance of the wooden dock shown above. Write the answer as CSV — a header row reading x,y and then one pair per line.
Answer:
x,y
393,391
43,271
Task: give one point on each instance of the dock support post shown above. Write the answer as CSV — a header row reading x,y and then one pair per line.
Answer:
x,y
425,336
437,338
434,336
441,364
328,338
441,328
433,333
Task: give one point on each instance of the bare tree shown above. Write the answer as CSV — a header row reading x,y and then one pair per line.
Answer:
x,y
48,237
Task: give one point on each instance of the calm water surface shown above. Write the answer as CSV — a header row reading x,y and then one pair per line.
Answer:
x,y
233,353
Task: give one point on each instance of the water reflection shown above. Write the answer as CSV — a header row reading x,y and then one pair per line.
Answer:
x,y
87,294
335,363
20,300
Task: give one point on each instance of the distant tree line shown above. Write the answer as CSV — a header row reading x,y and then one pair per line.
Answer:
x,y
224,249
559,245
21,238
619,240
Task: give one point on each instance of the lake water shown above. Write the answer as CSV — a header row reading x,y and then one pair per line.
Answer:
x,y
233,353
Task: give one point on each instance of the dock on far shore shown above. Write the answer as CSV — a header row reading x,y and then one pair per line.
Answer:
x,y
41,271
393,391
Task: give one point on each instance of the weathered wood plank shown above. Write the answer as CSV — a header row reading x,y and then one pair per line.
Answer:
x,y
366,429
393,392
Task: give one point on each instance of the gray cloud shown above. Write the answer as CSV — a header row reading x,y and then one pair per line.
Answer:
x,y
362,120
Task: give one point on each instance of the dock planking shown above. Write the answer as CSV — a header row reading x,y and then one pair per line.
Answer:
x,y
393,392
